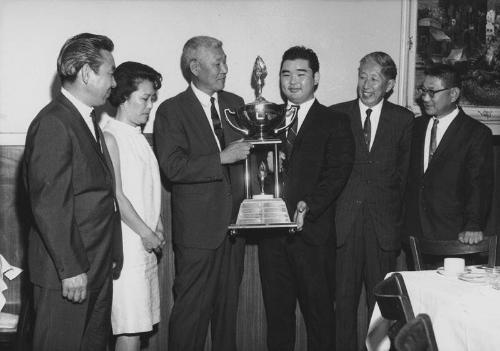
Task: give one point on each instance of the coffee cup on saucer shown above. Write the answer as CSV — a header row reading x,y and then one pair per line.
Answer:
x,y
453,266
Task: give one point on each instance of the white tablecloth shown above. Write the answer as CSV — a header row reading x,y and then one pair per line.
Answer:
x,y
465,316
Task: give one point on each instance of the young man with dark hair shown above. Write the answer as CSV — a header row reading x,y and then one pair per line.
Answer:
x,y
319,153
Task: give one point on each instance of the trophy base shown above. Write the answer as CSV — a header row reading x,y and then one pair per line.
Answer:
x,y
262,213
262,197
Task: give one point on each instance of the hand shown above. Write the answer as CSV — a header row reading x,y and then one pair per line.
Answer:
x,y
160,236
236,151
300,214
469,237
75,288
115,271
270,161
150,241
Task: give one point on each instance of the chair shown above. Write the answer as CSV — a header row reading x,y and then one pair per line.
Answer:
x,y
394,303
451,248
417,335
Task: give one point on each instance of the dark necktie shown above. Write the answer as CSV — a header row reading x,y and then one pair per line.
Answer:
x,y
217,124
292,133
96,129
433,143
367,128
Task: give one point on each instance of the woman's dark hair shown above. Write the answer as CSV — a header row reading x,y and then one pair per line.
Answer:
x,y
128,76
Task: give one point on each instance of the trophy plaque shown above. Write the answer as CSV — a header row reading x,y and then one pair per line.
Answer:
x,y
260,122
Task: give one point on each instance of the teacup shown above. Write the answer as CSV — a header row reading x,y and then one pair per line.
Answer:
x,y
453,266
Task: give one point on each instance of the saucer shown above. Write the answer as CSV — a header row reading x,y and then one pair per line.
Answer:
x,y
441,271
474,277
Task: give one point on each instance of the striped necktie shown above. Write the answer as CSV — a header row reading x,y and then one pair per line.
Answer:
x,y
292,133
433,142
367,128
217,124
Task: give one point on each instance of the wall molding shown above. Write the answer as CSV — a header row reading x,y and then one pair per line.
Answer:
x,y
12,139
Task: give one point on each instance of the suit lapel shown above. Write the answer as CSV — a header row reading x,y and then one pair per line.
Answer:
x,y
229,137
195,109
447,139
382,131
306,125
420,145
357,128
77,119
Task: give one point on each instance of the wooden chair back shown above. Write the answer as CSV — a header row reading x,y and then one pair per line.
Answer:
x,y
421,247
417,335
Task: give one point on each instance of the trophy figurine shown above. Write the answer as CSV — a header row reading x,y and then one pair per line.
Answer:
x,y
261,122
262,178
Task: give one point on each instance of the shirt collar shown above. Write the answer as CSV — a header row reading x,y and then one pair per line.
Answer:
x,y
376,110
80,106
304,107
450,116
203,97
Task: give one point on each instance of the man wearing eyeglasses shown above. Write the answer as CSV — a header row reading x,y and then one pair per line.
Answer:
x,y
450,181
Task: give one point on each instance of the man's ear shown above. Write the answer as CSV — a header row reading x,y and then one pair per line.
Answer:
x,y
316,78
194,66
85,73
454,93
390,85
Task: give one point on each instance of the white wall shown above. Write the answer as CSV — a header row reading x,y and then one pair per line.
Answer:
x,y
153,32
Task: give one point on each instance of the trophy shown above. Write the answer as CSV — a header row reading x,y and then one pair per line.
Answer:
x,y
261,122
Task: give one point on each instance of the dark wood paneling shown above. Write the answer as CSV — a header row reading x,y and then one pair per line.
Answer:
x,y
14,221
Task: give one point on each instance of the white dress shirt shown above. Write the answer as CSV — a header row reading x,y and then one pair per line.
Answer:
x,y
82,108
301,115
374,118
442,126
204,99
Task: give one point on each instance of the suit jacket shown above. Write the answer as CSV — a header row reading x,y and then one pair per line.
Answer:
x,y
317,170
379,176
454,194
202,199
71,188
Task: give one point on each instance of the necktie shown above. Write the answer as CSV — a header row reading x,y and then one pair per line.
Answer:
x,y
433,143
367,128
217,124
292,133
96,129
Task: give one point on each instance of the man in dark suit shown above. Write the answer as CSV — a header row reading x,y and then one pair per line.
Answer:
x,y
450,183
195,148
76,237
368,215
319,155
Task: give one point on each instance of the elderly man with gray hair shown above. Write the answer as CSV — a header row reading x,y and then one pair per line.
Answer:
x,y
199,154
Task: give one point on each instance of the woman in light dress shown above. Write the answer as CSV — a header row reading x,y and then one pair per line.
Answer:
x,y
136,301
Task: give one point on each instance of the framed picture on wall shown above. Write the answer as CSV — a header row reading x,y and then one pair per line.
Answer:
x,y
465,34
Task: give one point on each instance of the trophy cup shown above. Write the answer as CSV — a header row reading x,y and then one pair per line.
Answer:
x,y
261,122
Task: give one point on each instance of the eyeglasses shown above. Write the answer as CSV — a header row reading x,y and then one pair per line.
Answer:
x,y
422,91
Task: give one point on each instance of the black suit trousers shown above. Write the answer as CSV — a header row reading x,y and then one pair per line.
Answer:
x,y
206,290
61,325
359,260
291,270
